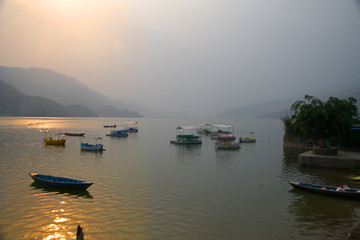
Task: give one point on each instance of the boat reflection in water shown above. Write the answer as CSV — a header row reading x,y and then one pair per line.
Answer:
x,y
61,191
59,220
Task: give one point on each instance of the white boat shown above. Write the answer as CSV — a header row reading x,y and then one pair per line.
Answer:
x,y
132,127
91,144
248,136
226,141
186,135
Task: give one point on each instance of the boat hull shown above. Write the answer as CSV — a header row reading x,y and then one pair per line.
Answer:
x,y
117,135
91,147
74,134
352,193
50,141
186,142
245,139
132,130
60,182
226,145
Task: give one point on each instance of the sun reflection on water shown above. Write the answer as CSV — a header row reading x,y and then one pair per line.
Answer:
x,y
40,123
58,229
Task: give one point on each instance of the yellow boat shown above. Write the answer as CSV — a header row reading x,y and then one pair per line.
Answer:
x,y
50,141
356,178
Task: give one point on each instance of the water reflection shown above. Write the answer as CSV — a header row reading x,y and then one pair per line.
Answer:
x,y
96,154
321,216
37,122
315,215
62,191
188,151
291,171
58,228
226,158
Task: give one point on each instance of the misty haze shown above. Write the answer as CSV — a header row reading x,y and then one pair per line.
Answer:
x,y
175,119
187,58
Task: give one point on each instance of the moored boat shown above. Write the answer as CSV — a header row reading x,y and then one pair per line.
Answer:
x,y
248,136
92,144
110,126
60,182
226,141
221,128
186,135
205,128
118,133
74,134
343,192
54,141
132,127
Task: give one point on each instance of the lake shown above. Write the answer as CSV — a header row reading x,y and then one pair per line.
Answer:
x,y
146,188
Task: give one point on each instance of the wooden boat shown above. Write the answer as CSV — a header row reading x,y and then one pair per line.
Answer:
x,y
60,182
118,133
186,135
343,192
54,141
74,134
91,144
110,126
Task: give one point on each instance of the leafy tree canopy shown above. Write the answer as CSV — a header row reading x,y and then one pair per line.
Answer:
x,y
312,118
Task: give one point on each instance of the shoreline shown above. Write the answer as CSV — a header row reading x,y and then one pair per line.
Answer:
x,y
342,160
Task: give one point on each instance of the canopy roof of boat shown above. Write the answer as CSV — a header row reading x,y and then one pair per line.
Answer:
x,y
187,127
223,126
205,124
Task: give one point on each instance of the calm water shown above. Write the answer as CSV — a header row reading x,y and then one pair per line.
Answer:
x,y
146,188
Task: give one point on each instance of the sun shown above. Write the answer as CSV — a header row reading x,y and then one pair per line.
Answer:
x,y
67,7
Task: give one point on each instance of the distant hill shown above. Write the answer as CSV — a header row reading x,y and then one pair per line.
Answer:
x,y
279,108
15,103
63,90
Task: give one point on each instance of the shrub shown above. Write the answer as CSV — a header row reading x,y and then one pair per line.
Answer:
x,y
314,119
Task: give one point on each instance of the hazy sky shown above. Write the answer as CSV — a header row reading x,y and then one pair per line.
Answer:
x,y
197,56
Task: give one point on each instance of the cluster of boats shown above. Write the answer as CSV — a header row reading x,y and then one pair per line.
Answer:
x,y
94,143
222,133
86,144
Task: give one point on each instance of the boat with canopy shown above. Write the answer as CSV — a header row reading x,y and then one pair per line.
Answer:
x,y
186,135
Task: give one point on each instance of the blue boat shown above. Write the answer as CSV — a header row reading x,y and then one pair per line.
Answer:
x,y
118,133
132,127
91,144
343,192
60,182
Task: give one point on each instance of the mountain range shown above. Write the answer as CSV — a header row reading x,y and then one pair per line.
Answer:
x,y
43,92
280,108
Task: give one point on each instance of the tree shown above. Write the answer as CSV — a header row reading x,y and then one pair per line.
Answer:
x,y
311,118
